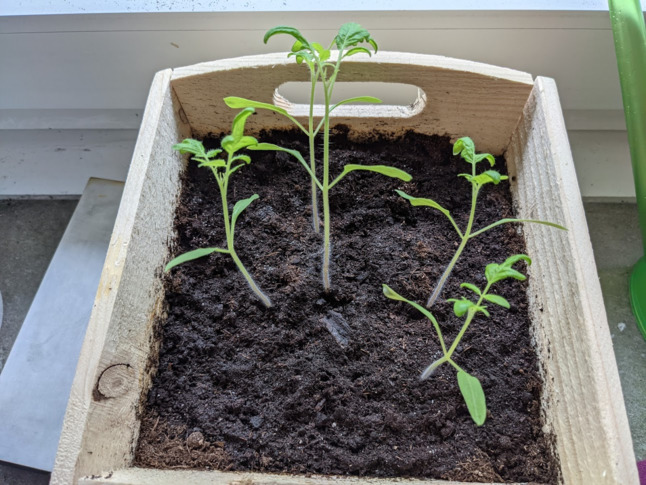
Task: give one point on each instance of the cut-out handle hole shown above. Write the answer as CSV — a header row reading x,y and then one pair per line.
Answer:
x,y
399,100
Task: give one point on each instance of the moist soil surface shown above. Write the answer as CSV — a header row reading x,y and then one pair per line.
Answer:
x,y
329,383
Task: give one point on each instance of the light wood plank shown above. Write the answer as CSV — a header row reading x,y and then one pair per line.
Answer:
x,y
142,476
99,430
461,97
582,398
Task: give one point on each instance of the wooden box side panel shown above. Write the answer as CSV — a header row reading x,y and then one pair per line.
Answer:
x,y
460,97
101,424
582,396
141,476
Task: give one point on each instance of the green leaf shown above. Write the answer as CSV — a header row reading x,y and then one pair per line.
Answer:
x,y
498,300
245,142
420,201
228,142
461,306
302,55
350,34
428,372
481,309
357,50
244,158
191,255
237,128
237,103
390,293
358,99
213,163
511,260
474,397
382,169
283,29
465,148
488,177
488,156
239,207
236,168
213,153
498,272
231,145
471,287
323,53
189,145
297,46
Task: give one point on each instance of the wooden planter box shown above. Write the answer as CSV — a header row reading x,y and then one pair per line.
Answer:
x,y
504,111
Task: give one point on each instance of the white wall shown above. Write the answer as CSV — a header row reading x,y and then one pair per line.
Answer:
x,y
39,7
93,71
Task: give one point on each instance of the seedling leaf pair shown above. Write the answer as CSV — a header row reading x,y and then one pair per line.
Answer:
x,y
469,385
222,170
466,149
474,397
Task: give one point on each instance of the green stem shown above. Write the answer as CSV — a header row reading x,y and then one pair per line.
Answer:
x,y
325,193
470,314
465,237
223,182
252,284
315,209
328,86
456,366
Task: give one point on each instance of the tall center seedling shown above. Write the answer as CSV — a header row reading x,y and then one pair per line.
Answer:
x,y
222,170
324,70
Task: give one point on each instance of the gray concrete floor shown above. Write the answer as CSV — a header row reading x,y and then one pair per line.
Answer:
x,y
30,231
29,234
614,231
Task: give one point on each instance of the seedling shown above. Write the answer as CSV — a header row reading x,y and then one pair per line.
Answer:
x,y
317,58
469,385
222,170
466,149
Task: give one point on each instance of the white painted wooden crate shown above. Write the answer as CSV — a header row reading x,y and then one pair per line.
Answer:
x,y
504,111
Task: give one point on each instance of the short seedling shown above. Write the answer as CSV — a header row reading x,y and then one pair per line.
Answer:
x,y
317,58
466,149
222,170
469,385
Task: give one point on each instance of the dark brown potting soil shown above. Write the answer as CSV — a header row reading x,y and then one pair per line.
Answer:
x,y
241,387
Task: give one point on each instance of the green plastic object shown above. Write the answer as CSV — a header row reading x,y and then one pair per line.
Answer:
x,y
629,32
637,290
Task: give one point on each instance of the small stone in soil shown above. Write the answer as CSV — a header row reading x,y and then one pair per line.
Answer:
x,y
338,327
195,439
256,421
218,310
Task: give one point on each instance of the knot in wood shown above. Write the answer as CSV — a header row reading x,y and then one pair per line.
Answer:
x,y
116,380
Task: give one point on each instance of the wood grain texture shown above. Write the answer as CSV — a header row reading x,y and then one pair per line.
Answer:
x,y
141,476
101,425
582,398
461,97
